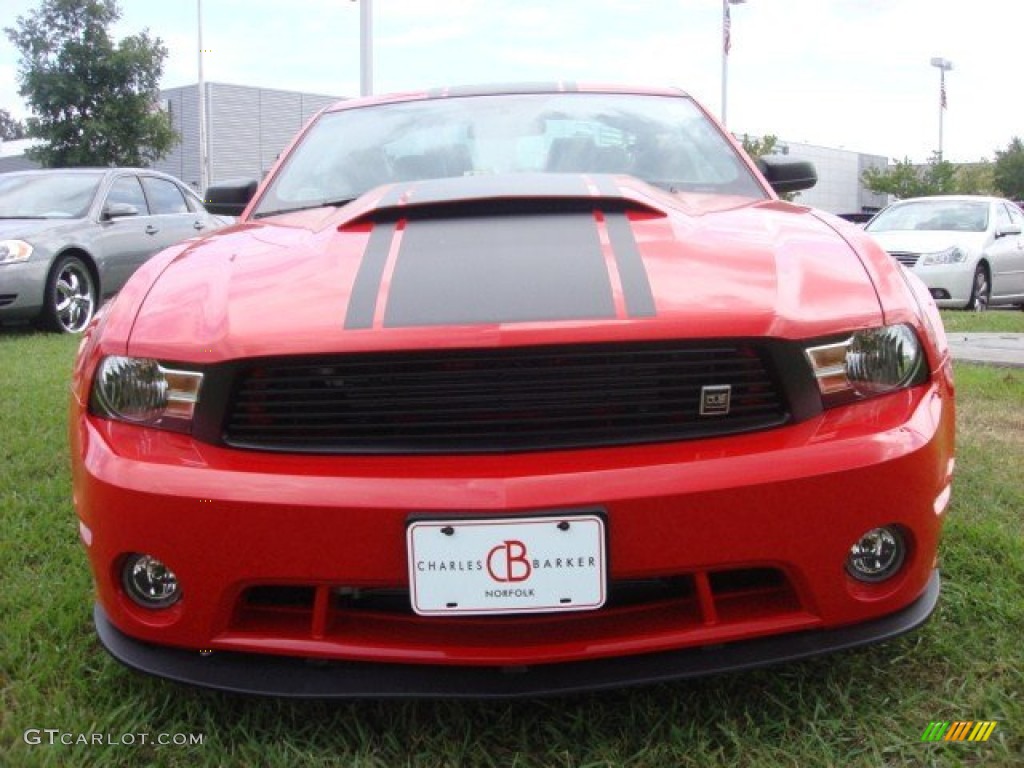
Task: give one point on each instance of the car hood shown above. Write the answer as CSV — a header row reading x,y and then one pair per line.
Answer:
x,y
465,263
927,241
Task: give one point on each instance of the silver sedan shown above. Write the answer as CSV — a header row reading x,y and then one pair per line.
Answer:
x,y
70,237
968,250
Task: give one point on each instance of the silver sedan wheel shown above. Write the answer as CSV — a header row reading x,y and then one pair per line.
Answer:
x,y
74,297
981,291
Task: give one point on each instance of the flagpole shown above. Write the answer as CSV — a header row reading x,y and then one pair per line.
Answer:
x,y
366,47
725,56
726,47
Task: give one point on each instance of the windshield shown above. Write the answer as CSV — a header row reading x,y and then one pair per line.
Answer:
x,y
47,195
933,215
666,141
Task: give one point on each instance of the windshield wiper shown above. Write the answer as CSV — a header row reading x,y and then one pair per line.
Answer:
x,y
15,218
322,204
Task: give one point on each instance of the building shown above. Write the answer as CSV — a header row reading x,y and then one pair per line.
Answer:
x,y
839,188
247,128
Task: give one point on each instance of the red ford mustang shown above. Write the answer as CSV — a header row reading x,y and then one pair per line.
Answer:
x,y
495,393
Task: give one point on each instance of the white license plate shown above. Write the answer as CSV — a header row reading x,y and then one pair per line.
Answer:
x,y
511,565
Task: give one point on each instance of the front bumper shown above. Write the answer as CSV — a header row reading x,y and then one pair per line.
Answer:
x,y
955,279
299,678
787,502
21,289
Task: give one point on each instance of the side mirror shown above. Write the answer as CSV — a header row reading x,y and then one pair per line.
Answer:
x,y
230,197
118,211
786,174
1012,229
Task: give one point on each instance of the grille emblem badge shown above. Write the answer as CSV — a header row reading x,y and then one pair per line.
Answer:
x,y
714,400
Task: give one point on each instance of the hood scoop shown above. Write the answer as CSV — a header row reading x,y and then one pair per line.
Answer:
x,y
511,194
500,250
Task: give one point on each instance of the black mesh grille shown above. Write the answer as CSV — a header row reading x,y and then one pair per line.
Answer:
x,y
520,399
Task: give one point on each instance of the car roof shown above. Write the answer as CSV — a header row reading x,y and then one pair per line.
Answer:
x,y
505,89
86,169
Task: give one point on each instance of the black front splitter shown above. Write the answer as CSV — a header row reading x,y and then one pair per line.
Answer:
x,y
302,678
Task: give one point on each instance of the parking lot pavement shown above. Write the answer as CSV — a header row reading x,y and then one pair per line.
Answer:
x,y
1003,349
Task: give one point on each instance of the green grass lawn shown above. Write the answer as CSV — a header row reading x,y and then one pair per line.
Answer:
x,y
861,708
996,320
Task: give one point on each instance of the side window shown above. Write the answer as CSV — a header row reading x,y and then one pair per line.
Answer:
x,y
1002,217
1016,216
127,190
194,203
164,196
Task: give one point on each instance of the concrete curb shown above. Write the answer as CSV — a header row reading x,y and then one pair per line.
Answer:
x,y
999,349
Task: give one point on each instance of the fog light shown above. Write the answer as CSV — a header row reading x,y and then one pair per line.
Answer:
x,y
877,555
149,582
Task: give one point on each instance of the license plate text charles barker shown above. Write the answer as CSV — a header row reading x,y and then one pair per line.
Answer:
x,y
507,565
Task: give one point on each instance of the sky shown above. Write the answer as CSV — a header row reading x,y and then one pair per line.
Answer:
x,y
852,74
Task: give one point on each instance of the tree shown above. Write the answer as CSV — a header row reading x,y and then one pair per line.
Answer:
x,y
93,100
905,179
759,147
1009,170
940,175
10,129
976,178
901,180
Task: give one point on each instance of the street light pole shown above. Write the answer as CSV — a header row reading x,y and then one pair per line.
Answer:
x,y
726,47
944,66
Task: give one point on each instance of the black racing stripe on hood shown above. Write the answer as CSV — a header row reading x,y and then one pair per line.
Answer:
x,y
464,190
636,286
499,269
393,196
362,304
605,185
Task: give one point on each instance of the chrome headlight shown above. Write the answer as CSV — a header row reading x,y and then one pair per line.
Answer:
x,y
14,251
948,256
871,362
143,391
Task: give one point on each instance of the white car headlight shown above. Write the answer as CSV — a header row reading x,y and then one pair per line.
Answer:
x,y
143,391
949,256
14,251
871,362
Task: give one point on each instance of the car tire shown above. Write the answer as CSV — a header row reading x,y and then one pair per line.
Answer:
x,y
69,301
981,290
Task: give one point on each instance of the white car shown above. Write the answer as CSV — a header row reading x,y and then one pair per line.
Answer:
x,y
967,249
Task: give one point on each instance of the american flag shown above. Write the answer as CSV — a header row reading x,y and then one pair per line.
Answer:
x,y
727,29
942,93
